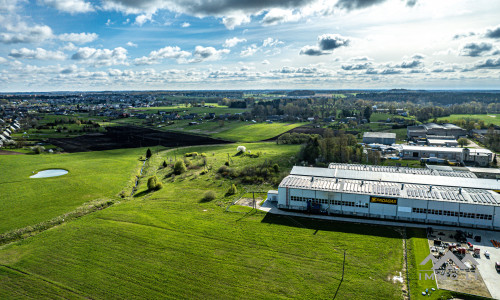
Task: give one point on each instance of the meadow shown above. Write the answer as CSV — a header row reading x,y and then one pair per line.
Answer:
x,y
171,244
493,119
92,175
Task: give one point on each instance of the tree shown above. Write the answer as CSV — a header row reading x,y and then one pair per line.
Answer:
x,y
232,190
148,153
154,183
463,142
179,167
367,113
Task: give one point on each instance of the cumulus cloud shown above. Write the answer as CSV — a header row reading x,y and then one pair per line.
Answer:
x,y
326,44
411,64
236,20
493,33
475,49
38,53
3,60
141,19
164,53
278,15
78,38
23,33
185,25
101,57
358,66
359,4
69,6
229,43
207,54
265,62
360,58
491,63
130,44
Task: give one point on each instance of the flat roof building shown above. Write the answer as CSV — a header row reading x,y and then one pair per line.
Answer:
x,y
431,129
384,138
345,189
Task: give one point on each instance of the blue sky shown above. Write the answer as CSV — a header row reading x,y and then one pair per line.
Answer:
x,y
53,45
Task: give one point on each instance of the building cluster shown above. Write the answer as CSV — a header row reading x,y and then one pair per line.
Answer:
x,y
404,194
6,129
462,156
436,135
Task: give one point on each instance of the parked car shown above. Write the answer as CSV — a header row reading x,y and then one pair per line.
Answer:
x,y
497,266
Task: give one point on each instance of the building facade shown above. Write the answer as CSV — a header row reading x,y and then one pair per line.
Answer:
x,y
384,138
447,200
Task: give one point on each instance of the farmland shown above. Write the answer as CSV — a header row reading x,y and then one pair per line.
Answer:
x,y
170,244
493,119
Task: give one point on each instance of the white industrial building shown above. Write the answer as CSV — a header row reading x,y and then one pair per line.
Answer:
x,y
423,195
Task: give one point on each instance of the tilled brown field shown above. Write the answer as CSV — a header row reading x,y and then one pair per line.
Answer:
x,y
131,137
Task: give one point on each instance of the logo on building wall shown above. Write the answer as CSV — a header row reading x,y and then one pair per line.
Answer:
x,y
393,201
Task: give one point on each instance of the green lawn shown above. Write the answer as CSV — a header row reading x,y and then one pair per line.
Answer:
x,y
487,118
217,109
170,244
26,201
256,132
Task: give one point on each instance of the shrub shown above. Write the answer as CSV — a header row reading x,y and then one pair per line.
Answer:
x,y
165,164
226,163
203,155
38,149
187,162
154,183
179,167
148,153
209,196
191,154
276,168
232,190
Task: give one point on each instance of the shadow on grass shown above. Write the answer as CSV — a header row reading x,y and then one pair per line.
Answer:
x,y
331,225
143,193
248,214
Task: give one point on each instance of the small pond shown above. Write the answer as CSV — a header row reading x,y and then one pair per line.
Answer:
x,y
50,173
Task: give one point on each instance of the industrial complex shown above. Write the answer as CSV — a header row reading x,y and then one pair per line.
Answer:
x,y
455,198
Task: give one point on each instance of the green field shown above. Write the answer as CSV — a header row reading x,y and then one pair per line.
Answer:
x,y
487,118
170,244
92,175
256,132
182,109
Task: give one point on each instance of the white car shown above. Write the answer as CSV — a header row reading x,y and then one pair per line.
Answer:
x,y
486,254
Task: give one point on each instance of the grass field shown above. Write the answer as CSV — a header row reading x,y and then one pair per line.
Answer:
x,y
170,244
26,201
256,132
217,109
487,118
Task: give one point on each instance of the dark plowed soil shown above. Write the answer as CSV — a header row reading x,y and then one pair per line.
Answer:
x,y
131,137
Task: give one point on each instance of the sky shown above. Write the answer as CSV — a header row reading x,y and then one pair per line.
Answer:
x,y
94,45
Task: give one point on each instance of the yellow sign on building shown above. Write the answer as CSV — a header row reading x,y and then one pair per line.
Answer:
x,y
392,201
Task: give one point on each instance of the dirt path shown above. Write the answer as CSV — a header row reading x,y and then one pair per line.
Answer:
x,y
3,152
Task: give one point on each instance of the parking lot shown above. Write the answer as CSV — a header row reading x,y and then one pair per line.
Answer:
x,y
487,266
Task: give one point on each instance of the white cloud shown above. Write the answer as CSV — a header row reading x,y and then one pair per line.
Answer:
x,y
185,25
265,62
23,33
229,43
270,42
236,20
249,51
207,54
3,60
78,38
278,15
130,44
38,53
164,53
101,57
141,19
69,6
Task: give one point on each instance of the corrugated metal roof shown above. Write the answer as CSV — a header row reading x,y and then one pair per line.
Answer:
x,y
388,189
487,184
387,135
